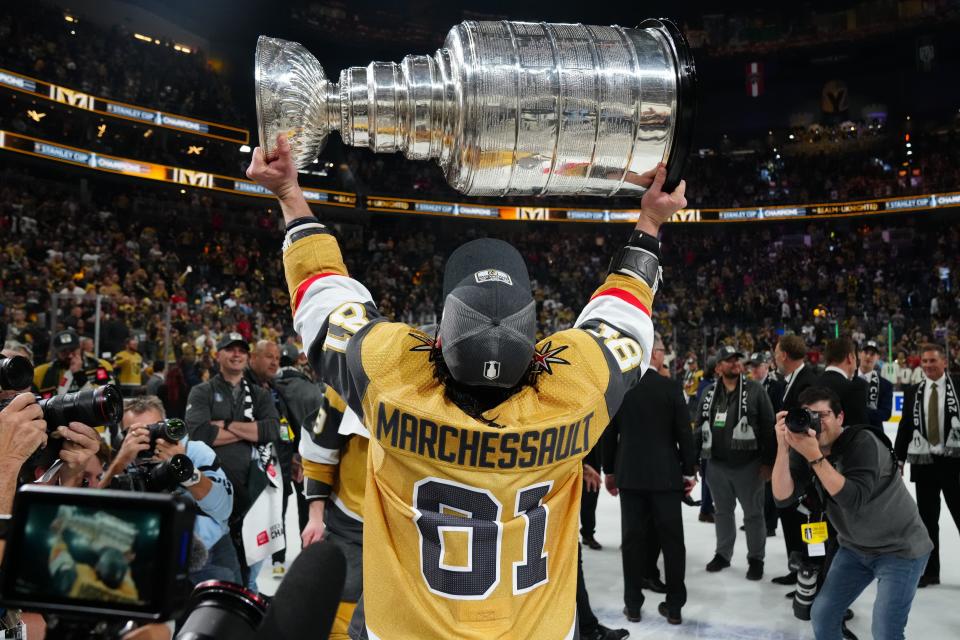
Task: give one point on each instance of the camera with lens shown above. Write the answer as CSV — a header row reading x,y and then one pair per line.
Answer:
x,y
801,420
16,373
172,430
155,477
93,407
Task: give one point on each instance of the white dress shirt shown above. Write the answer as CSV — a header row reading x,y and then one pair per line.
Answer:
x,y
790,378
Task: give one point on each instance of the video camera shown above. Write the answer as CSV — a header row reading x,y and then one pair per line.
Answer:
x,y
800,420
95,554
155,477
172,430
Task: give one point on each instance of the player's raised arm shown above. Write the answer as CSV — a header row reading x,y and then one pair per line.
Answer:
x,y
619,312
329,307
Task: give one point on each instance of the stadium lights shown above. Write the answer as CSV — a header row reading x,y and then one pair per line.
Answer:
x,y
182,48
790,136
908,145
73,32
69,18
148,133
244,148
140,36
909,153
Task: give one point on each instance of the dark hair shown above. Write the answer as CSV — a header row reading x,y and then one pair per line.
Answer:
x,y
474,400
812,395
932,346
837,350
793,346
159,365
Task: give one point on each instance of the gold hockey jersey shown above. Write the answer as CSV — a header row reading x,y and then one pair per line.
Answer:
x,y
470,530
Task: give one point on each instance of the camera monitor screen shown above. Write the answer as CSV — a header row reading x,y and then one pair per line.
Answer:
x,y
110,558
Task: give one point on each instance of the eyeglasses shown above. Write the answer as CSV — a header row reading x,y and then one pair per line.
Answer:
x,y
824,414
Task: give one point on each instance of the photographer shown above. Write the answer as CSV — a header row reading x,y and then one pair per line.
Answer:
x,y
208,486
879,531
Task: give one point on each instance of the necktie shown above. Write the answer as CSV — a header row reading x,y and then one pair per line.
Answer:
x,y
933,417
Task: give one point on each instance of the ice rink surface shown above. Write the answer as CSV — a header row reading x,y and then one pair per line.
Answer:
x,y
726,605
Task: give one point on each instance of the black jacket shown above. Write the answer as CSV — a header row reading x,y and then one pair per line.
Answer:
x,y
774,388
852,393
907,425
804,379
213,400
648,444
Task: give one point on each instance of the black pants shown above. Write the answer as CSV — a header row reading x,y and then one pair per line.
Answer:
x,y
643,515
585,619
769,508
932,479
790,521
588,513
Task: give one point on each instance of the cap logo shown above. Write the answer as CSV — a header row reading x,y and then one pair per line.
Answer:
x,y
491,369
236,336
492,275
66,338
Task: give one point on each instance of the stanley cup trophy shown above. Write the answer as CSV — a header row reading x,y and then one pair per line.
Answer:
x,y
506,108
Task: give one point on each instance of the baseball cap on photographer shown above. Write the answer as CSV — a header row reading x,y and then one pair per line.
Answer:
x,y
230,339
66,341
489,324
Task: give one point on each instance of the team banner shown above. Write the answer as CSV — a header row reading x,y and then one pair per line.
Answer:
x,y
107,107
498,211
152,171
787,212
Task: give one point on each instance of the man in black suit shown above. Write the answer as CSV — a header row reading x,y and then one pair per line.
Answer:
x,y
929,439
649,459
840,377
790,354
879,389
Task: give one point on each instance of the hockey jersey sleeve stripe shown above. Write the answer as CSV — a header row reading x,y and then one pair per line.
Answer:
x,y
325,473
635,291
302,288
308,256
624,295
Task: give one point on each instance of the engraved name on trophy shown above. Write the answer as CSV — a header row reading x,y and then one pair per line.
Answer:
x,y
506,108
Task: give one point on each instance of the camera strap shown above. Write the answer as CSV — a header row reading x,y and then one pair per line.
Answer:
x,y
50,473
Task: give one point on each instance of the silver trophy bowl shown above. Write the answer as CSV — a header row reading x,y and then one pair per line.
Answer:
x,y
505,108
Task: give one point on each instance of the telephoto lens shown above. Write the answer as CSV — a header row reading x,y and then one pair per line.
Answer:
x,y
222,610
801,420
168,475
92,407
16,373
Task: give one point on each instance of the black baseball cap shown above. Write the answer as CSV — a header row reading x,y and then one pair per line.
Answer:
x,y
289,355
66,341
489,324
871,344
727,352
230,339
756,358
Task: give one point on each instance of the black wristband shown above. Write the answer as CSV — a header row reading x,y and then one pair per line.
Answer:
x,y
817,461
639,259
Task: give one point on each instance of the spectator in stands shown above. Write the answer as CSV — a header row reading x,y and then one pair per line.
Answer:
x,y
70,370
129,367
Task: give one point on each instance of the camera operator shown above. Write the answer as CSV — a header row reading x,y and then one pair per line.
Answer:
x,y
208,486
879,531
